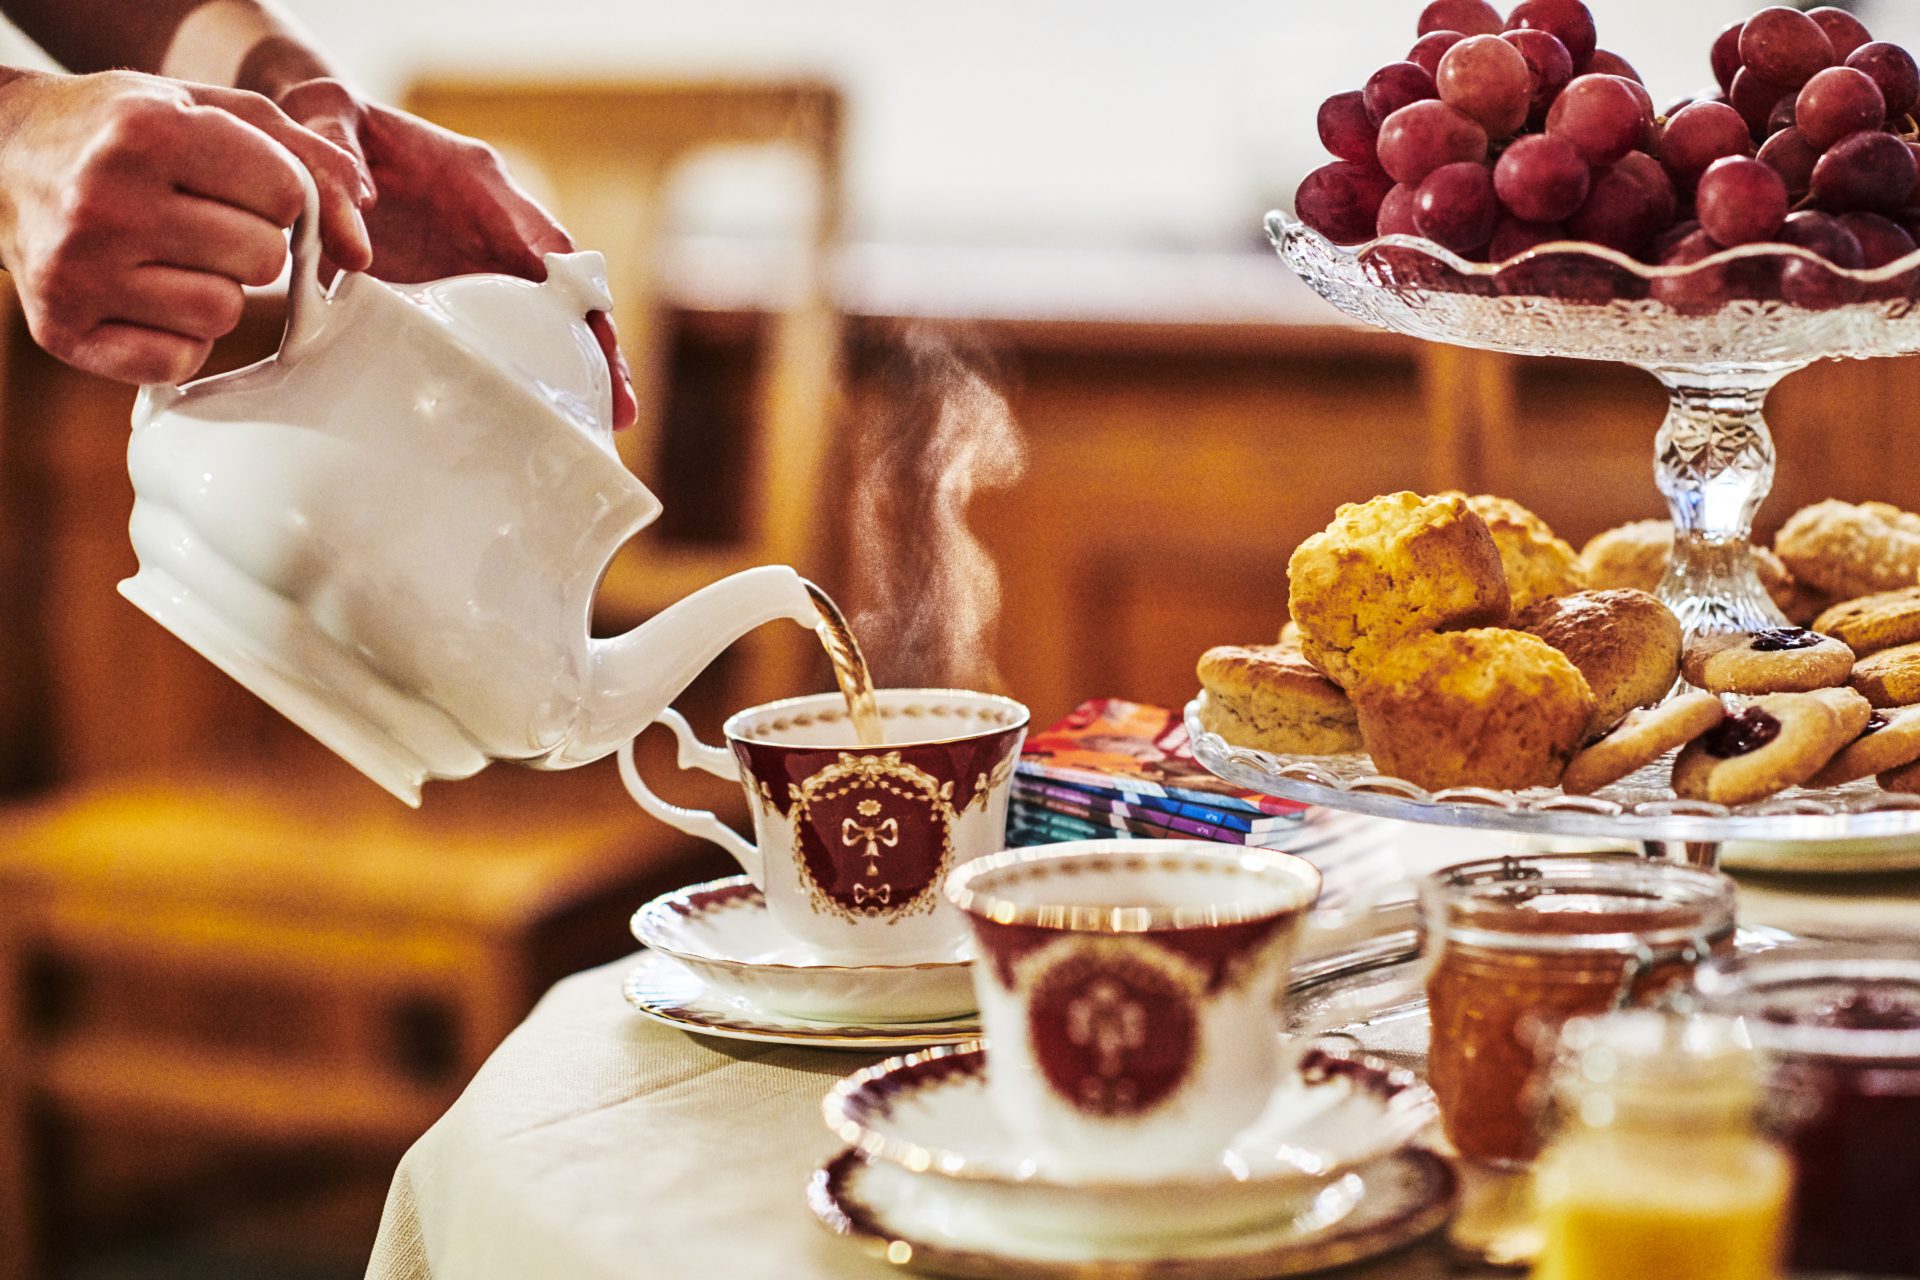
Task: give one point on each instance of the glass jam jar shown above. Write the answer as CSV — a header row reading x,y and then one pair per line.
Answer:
x,y
1659,1168
1840,1025
1516,946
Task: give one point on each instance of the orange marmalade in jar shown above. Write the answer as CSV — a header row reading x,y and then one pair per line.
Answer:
x,y
1516,946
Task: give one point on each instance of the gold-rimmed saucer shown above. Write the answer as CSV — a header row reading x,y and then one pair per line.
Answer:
x,y
666,991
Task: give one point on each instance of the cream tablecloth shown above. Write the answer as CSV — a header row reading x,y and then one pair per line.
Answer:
x,y
595,1145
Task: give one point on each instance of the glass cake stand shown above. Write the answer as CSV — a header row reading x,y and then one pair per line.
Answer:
x,y
1718,336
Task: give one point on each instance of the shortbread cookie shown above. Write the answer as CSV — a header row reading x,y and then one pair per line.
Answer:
x,y
1905,779
1775,742
1872,623
1849,550
1890,740
1643,737
1480,708
1636,555
1270,698
1537,563
1384,570
1626,643
1891,677
1785,660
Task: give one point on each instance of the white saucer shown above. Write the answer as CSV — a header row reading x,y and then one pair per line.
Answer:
x,y
723,932
664,990
930,1114
927,1223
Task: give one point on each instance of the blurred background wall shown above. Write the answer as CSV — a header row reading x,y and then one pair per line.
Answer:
x,y
236,979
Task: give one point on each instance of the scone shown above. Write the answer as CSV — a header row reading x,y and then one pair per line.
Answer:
x,y
1775,742
1479,708
1636,555
1270,698
1391,568
1626,644
1537,563
1643,737
1872,623
1782,660
1889,678
1890,741
1849,550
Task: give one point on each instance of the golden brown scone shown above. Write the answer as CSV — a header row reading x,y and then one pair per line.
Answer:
x,y
1778,660
1872,623
1849,550
1270,698
1479,708
1391,568
1636,555
1890,741
1626,644
1889,678
1537,563
1774,742
1643,737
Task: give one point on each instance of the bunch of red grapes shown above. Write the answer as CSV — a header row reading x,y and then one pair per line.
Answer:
x,y
1496,135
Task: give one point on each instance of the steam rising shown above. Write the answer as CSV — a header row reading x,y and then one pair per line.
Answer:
x,y
930,592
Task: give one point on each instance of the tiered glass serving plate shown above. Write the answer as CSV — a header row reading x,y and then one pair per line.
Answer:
x,y
1718,335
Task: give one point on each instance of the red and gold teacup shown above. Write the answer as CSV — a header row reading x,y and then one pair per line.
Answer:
x,y
1127,989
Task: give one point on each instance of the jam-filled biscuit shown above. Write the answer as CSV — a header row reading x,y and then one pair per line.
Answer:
x,y
1784,660
1891,677
1643,737
1775,742
1849,550
1890,741
1270,698
1875,622
1626,643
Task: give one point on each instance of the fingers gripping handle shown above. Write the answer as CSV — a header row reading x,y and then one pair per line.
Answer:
x,y
695,822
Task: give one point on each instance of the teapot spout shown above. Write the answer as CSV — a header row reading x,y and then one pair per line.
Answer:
x,y
636,676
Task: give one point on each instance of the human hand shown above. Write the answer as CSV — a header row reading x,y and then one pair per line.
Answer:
x,y
444,205
133,208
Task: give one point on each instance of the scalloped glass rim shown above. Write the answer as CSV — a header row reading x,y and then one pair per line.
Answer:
x,y
1282,226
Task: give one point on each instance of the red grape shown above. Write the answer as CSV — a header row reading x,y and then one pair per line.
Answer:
x,y
1755,98
1468,17
1601,116
1396,85
1514,237
1881,239
1549,66
1837,102
1740,201
1342,200
1569,20
1784,46
1864,171
1649,127
1809,284
1664,242
1456,207
1649,173
1726,55
1487,78
1893,69
1844,31
1345,129
1792,157
1694,293
1430,48
1619,212
1417,139
1785,112
1699,134
1541,179
1606,63
1396,212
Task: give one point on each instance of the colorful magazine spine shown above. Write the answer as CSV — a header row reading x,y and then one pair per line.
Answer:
x,y
1245,803
1159,826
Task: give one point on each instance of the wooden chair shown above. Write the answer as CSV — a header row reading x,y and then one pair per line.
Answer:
x,y
606,153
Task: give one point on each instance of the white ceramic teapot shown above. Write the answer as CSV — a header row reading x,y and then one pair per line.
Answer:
x,y
393,529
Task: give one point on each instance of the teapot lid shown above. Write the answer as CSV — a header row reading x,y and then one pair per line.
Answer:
x,y
536,332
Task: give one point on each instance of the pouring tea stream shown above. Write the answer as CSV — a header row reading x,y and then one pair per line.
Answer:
x,y
392,529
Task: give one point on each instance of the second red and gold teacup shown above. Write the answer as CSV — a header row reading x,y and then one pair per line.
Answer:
x,y
1127,990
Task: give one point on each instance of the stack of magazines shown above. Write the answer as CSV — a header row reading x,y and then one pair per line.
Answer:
x,y
1116,769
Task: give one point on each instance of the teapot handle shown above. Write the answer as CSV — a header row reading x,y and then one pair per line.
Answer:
x,y
306,300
